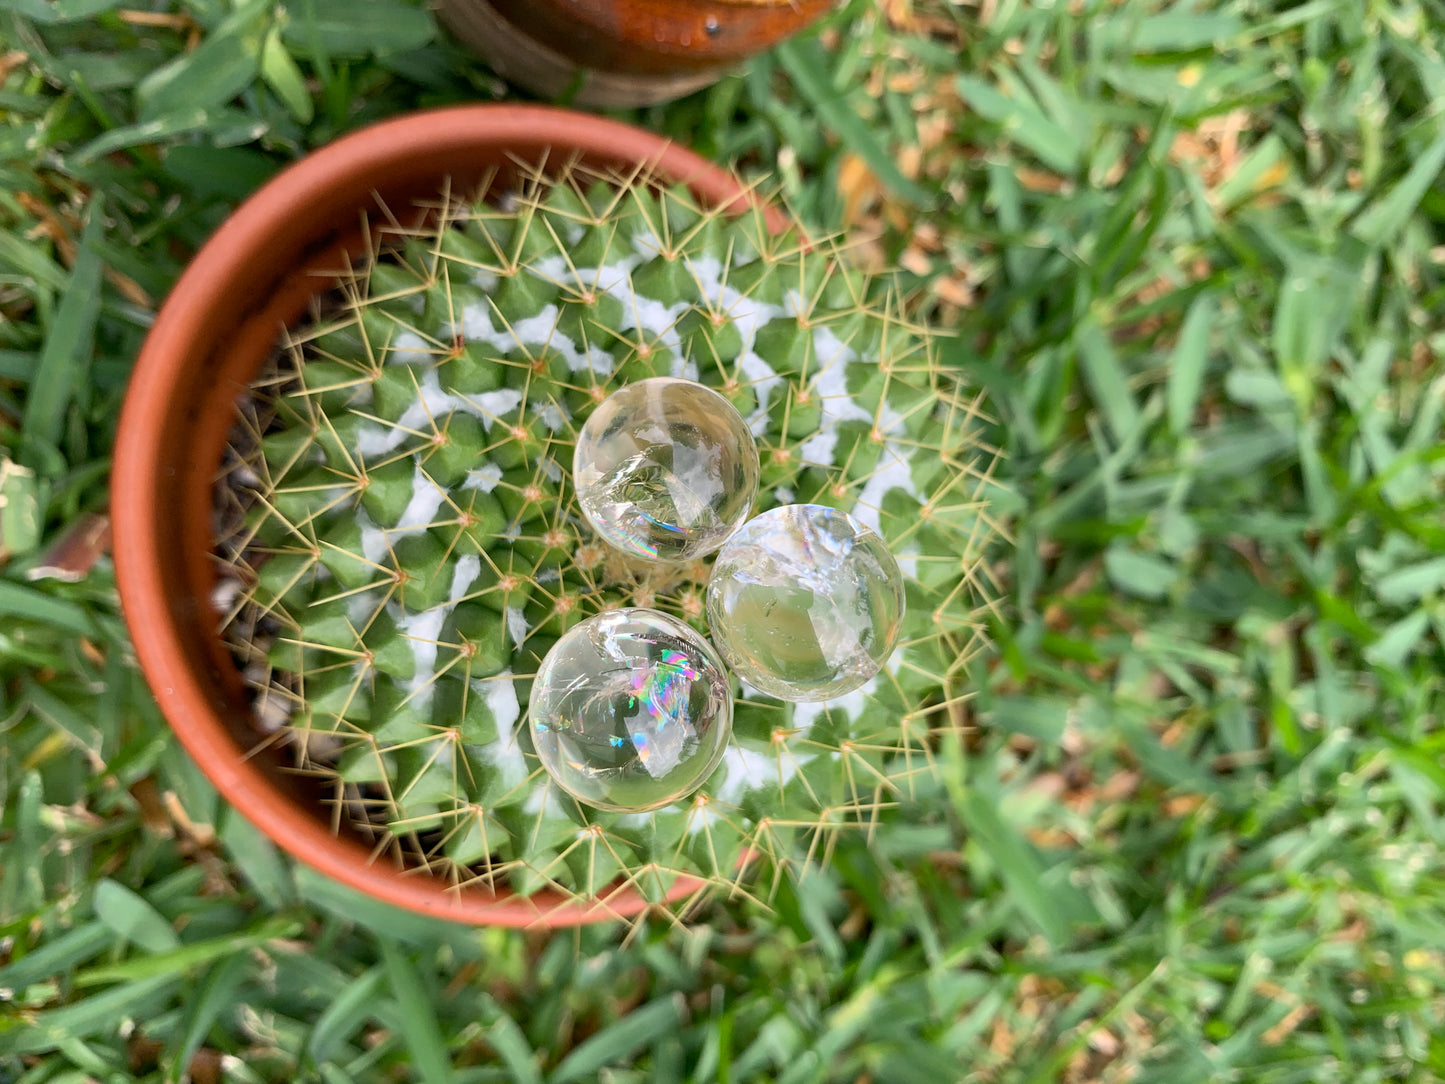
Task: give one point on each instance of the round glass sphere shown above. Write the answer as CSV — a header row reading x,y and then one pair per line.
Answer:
x,y
631,710
805,603
665,469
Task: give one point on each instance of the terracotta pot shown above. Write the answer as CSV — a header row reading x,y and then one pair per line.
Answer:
x,y
623,52
221,322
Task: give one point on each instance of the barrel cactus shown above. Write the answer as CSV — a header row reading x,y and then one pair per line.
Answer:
x,y
406,543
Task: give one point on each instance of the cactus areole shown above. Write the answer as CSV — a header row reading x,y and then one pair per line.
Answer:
x,y
219,326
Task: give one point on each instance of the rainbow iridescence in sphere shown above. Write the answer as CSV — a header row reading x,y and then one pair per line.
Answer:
x,y
665,469
631,710
805,603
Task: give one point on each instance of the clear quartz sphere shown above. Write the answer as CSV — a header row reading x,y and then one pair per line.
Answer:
x,y
665,469
631,710
805,603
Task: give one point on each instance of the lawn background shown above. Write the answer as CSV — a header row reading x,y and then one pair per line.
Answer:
x,y
1193,254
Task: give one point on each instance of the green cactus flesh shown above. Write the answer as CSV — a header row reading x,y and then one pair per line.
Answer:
x,y
410,544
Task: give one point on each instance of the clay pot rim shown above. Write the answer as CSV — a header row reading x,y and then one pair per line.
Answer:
x,y
142,571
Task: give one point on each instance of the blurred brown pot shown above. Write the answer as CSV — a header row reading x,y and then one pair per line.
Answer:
x,y
221,322
622,53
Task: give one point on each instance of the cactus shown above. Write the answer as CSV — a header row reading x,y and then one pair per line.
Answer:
x,y
409,547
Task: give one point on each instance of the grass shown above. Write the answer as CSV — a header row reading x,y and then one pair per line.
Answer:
x,y
1192,251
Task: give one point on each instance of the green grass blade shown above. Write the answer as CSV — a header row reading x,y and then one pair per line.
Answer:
x,y
341,28
417,1020
1106,379
347,1012
1381,222
1188,362
283,75
617,1042
510,1043
102,1012
224,65
1024,122
60,376
79,730
185,957
133,918
20,510
1018,866
182,122
1412,582
20,256
23,888
803,62
217,996
1399,641
59,957
1144,575
258,860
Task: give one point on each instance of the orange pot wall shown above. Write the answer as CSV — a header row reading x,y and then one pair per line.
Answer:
x,y
612,54
658,37
219,325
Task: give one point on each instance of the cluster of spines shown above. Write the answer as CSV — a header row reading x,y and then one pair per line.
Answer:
x,y
645,282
